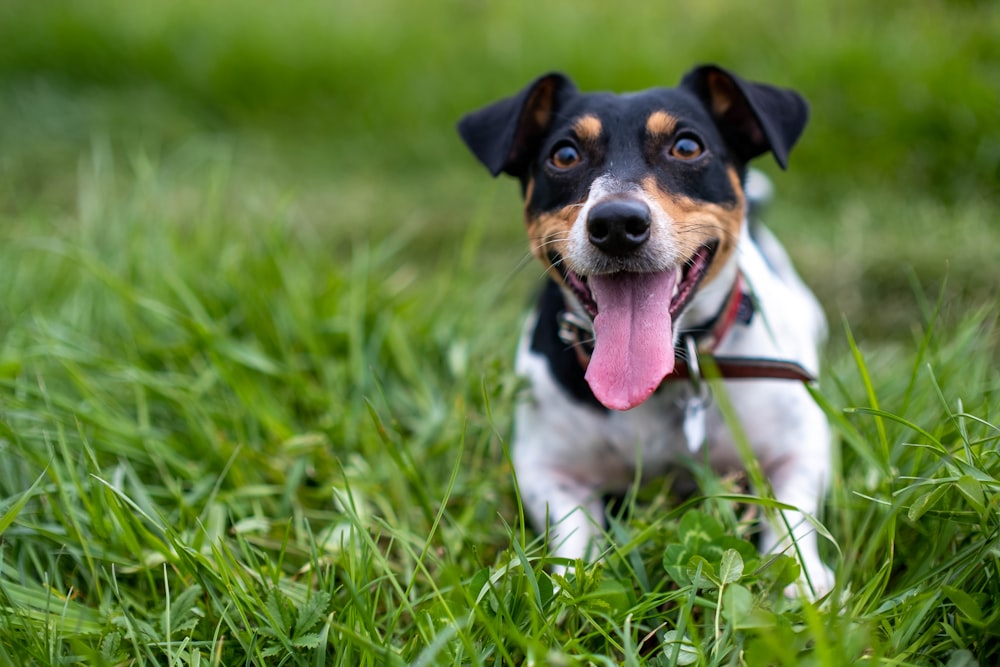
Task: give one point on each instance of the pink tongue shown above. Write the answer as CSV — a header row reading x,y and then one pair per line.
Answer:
x,y
634,344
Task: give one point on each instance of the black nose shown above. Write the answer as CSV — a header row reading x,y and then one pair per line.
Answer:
x,y
618,226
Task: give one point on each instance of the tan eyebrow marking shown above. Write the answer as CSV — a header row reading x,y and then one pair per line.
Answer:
x,y
588,128
660,123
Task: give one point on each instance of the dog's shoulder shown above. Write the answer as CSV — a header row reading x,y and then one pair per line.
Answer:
x,y
791,323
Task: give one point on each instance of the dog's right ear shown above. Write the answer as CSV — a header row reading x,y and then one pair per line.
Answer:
x,y
505,134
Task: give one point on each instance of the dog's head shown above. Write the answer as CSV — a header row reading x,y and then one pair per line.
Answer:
x,y
635,202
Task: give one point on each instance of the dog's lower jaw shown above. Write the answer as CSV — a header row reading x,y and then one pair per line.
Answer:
x,y
702,307
633,317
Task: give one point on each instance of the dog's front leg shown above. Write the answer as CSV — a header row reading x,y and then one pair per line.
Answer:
x,y
799,475
790,437
558,485
792,532
571,512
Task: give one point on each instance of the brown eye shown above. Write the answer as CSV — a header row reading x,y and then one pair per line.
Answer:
x,y
564,157
686,148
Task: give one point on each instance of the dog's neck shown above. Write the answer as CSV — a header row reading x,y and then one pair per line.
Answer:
x,y
710,299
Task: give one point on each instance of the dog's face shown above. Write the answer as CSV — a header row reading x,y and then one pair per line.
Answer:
x,y
634,201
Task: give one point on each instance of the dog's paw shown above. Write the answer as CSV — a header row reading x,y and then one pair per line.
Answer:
x,y
815,582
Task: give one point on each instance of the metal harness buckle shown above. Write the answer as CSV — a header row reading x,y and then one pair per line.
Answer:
x,y
695,405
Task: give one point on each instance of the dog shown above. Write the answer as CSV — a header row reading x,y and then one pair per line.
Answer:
x,y
637,206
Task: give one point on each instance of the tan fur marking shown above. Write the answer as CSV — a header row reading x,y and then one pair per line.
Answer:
x,y
529,190
721,90
660,123
697,223
541,103
549,232
588,128
727,100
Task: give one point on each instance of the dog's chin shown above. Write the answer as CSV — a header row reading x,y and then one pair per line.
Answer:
x,y
691,273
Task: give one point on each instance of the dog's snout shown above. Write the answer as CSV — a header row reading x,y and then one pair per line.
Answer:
x,y
619,226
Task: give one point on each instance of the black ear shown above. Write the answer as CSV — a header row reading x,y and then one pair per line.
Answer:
x,y
503,135
754,117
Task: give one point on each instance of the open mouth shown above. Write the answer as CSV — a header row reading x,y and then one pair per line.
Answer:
x,y
633,315
690,276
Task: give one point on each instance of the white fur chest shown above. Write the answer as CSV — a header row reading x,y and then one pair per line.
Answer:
x,y
604,448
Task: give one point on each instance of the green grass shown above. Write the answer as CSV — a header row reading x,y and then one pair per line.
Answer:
x,y
258,312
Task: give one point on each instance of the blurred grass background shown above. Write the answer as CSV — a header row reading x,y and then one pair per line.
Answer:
x,y
245,264
347,109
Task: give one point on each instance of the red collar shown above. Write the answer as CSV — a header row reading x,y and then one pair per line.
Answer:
x,y
739,306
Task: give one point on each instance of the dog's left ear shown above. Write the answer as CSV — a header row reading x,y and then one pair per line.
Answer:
x,y
754,117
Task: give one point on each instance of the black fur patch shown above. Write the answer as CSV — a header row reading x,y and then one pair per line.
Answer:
x,y
563,362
